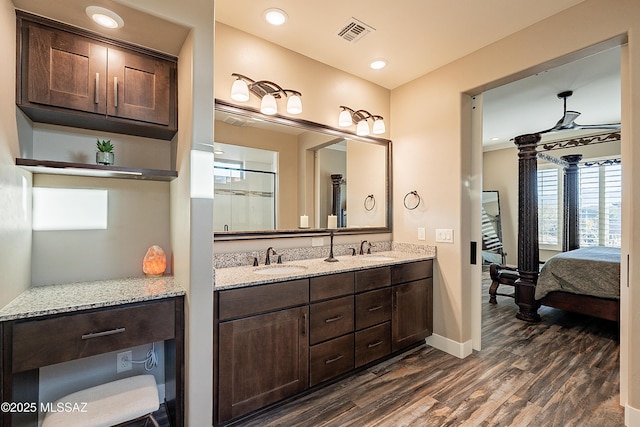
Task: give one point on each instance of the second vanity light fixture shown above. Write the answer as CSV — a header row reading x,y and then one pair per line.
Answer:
x,y
349,117
268,92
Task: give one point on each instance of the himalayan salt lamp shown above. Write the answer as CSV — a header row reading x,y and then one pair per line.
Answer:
x,y
155,261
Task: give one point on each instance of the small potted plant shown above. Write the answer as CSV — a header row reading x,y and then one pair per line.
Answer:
x,y
104,156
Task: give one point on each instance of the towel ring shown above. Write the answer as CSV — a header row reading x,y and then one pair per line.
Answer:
x,y
415,194
369,203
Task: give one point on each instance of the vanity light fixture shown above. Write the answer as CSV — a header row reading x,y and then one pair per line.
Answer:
x,y
268,92
275,17
349,117
104,17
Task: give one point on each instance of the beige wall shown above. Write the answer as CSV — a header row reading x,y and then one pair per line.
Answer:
x,y
286,147
500,172
15,183
323,88
430,140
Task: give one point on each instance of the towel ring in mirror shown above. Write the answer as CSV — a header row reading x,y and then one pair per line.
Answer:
x,y
369,203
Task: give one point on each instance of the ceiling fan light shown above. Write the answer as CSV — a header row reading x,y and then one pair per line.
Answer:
x,y
363,128
379,127
268,105
240,91
294,105
344,119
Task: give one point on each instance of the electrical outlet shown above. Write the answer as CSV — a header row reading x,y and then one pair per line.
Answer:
x,y
422,233
123,362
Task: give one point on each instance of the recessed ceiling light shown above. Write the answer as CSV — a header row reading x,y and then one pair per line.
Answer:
x,y
378,64
495,138
104,17
275,16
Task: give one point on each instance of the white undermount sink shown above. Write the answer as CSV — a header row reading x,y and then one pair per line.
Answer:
x,y
377,258
280,269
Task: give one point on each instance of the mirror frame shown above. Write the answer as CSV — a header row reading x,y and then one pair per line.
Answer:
x,y
227,107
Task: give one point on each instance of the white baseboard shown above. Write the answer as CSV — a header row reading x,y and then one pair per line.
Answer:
x,y
447,345
631,416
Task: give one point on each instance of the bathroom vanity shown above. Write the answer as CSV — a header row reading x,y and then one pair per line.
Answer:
x,y
278,335
53,324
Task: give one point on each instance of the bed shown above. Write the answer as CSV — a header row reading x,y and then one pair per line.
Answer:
x,y
581,280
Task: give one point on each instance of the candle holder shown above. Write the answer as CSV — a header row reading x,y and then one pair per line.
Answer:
x,y
331,258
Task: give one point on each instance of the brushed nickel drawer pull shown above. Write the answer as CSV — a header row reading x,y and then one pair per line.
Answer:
x,y
115,92
102,334
374,344
333,319
374,308
97,97
335,359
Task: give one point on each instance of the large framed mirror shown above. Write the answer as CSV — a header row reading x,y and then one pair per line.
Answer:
x,y
278,176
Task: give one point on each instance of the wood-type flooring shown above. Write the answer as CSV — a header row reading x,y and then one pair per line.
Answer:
x,y
563,371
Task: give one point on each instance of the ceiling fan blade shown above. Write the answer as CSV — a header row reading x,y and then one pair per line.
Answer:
x,y
566,122
612,126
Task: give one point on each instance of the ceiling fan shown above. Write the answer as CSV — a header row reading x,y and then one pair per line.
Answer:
x,y
567,122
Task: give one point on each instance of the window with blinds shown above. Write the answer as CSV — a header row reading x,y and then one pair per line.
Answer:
x,y
600,205
548,202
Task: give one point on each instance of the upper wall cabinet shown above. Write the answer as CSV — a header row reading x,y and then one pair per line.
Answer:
x,y
68,76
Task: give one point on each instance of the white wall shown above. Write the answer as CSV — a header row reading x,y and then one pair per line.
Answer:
x,y
15,183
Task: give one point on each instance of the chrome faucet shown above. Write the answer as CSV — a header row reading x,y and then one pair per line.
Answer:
x,y
362,246
270,251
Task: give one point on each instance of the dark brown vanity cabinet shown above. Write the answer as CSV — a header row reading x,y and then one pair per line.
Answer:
x,y
263,346
72,77
412,294
275,340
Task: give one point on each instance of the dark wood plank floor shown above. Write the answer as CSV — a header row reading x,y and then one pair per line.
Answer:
x,y
561,372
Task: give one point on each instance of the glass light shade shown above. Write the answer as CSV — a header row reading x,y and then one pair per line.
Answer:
x,y
363,128
379,127
294,105
104,17
345,119
240,91
268,105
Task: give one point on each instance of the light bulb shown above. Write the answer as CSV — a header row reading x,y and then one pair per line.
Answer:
x,y
345,119
268,105
294,105
240,91
363,128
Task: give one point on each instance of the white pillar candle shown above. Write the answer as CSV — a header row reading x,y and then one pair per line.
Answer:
x,y
304,221
332,221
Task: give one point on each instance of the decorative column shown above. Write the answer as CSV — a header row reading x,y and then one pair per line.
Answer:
x,y
528,252
571,218
336,181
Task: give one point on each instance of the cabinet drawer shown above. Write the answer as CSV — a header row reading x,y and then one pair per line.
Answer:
x,y
373,278
331,286
262,298
59,339
373,307
330,319
330,359
402,273
373,344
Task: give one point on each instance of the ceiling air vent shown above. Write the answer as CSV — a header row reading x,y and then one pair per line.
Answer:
x,y
354,30
234,121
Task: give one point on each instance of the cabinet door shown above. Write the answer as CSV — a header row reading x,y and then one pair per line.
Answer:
x,y
266,359
412,318
65,70
139,87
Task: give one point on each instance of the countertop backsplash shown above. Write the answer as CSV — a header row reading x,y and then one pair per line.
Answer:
x,y
238,259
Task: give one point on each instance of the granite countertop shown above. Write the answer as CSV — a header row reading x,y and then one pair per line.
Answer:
x,y
238,277
64,298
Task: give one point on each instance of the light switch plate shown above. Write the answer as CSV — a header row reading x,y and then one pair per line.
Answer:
x,y
444,235
422,235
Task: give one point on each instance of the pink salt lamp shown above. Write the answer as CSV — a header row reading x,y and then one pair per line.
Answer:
x,y
155,261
